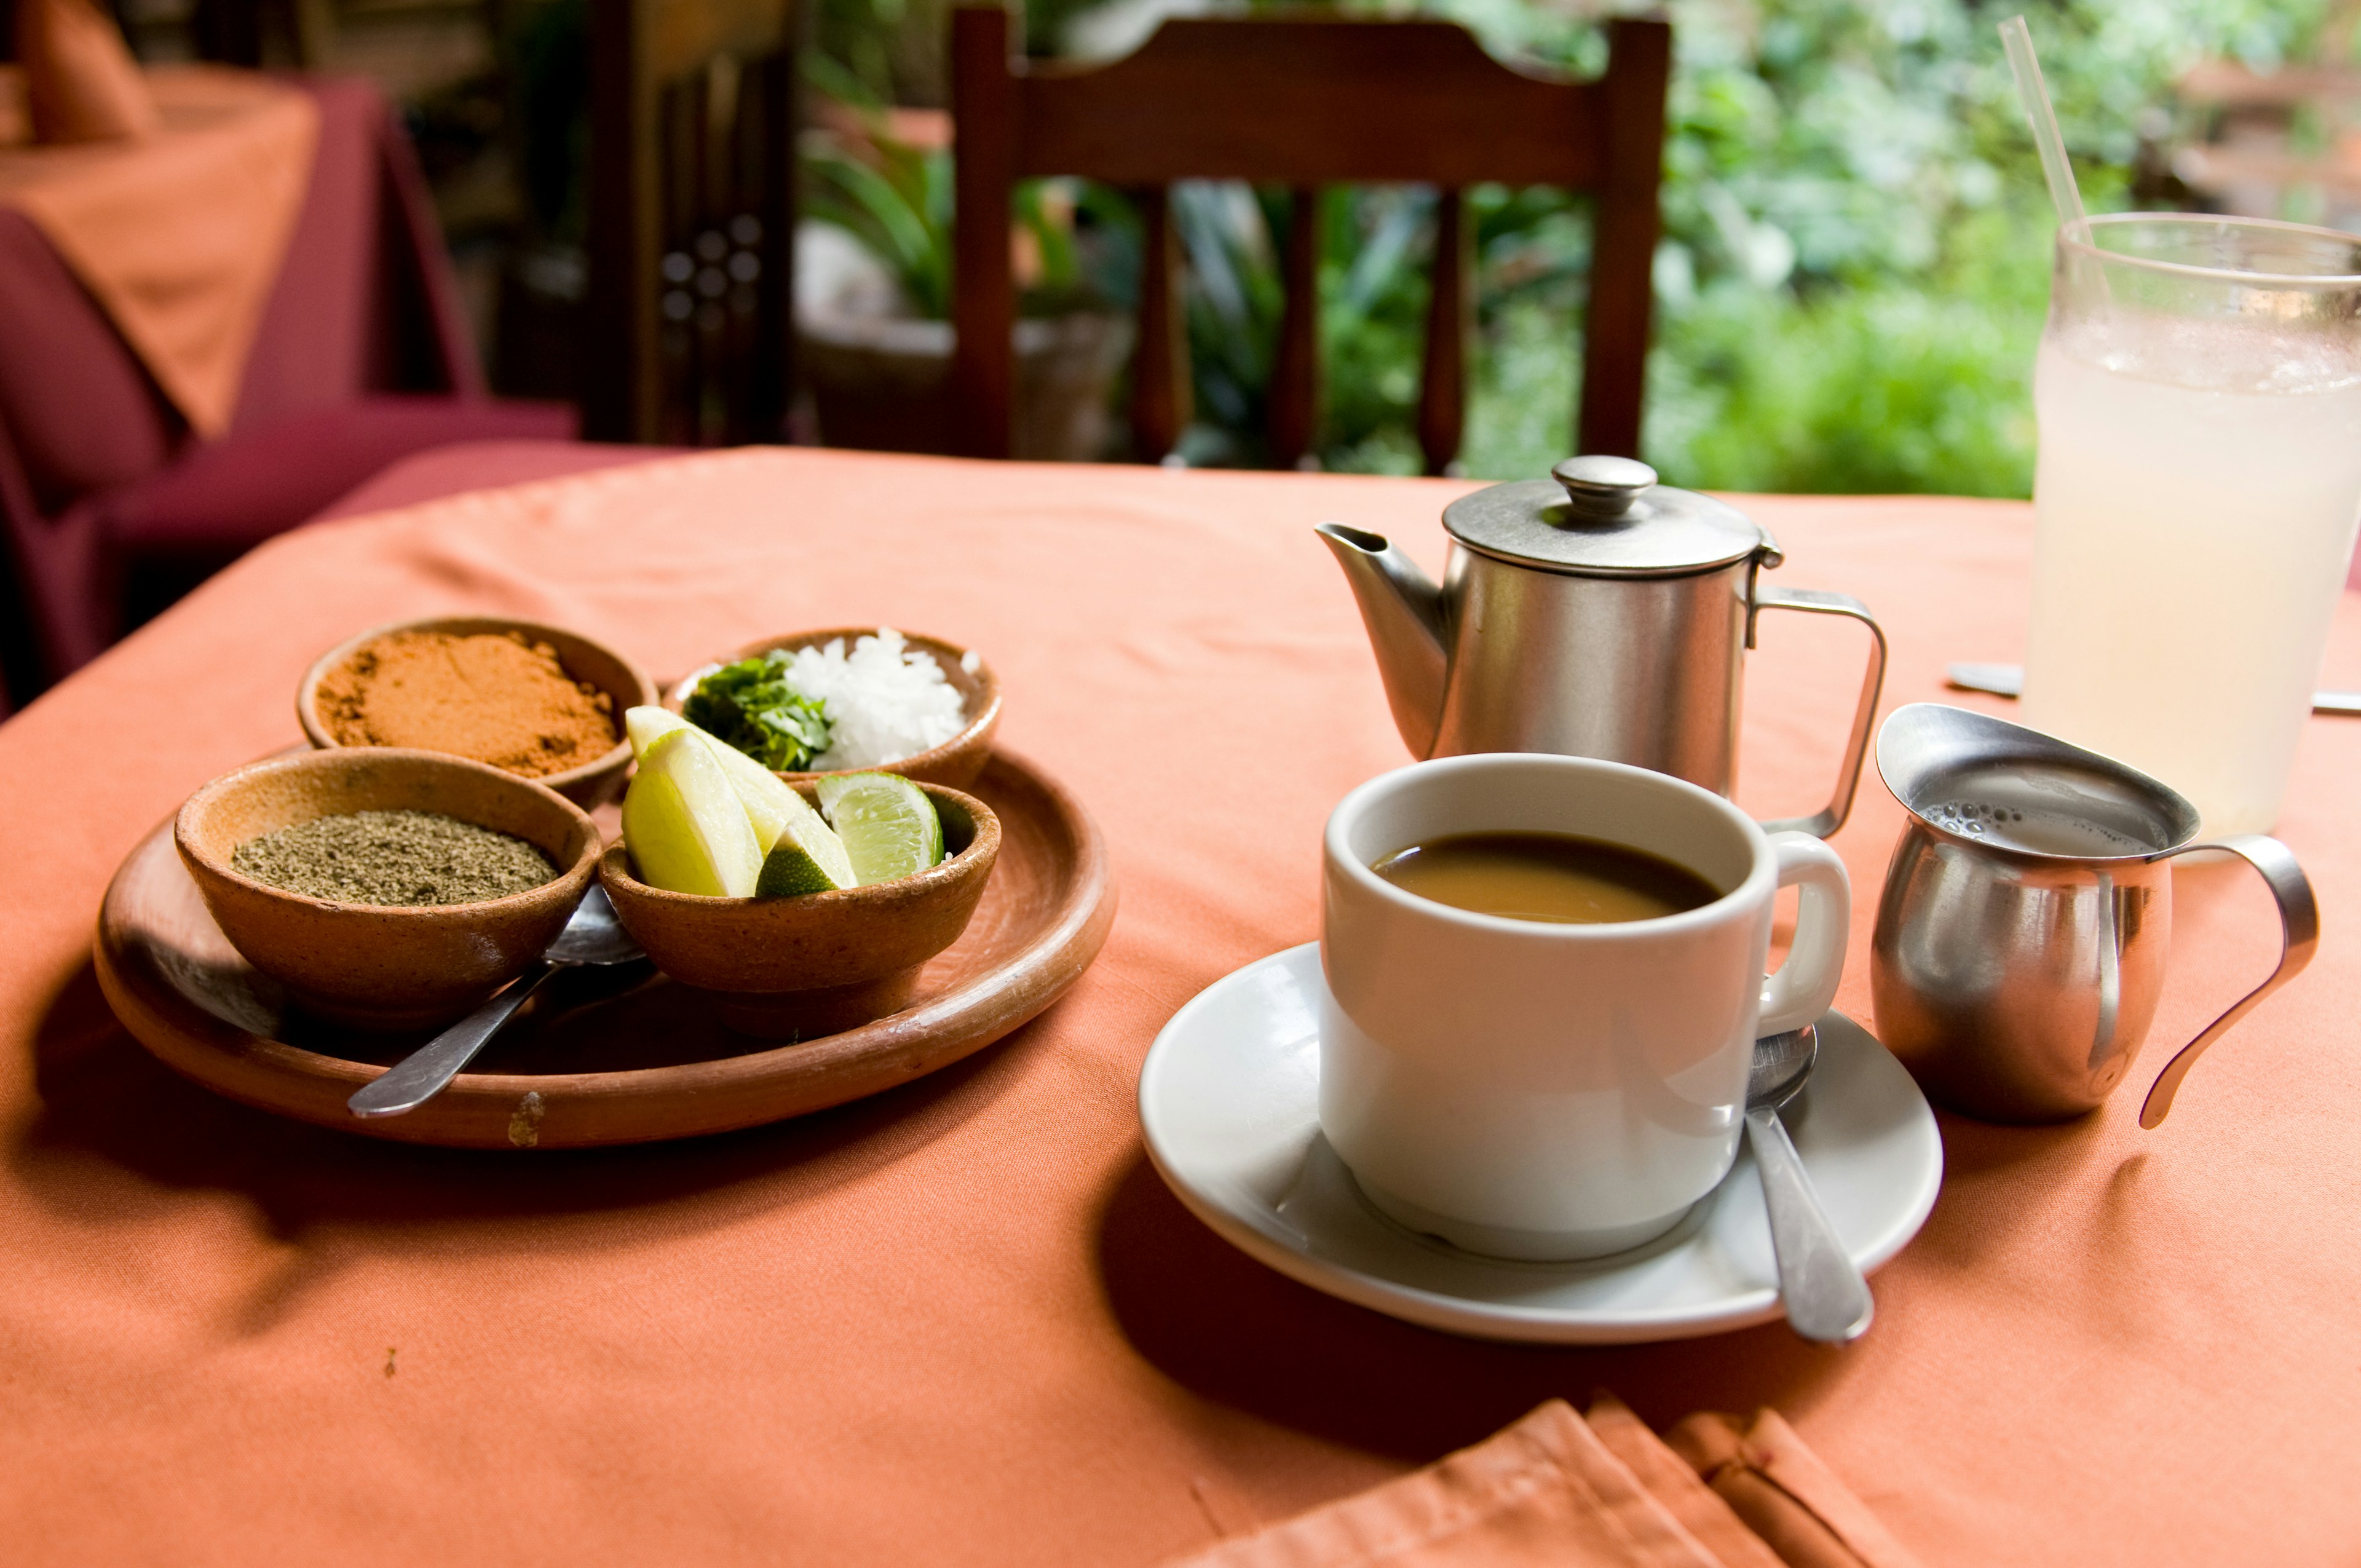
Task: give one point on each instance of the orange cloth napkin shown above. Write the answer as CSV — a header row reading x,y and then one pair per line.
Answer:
x,y
1597,1492
179,234
1784,1494
80,83
1671,1481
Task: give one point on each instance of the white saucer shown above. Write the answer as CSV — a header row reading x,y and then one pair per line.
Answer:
x,y
1228,1097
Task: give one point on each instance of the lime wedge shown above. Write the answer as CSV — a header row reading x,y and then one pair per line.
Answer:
x,y
889,826
646,725
807,858
806,854
771,802
685,825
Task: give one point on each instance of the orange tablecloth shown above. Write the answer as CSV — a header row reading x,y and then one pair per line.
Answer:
x,y
178,236
964,1322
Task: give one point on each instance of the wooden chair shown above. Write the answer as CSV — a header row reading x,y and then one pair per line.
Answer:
x,y
1306,101
694,110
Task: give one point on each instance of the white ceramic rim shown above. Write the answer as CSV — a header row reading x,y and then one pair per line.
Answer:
x,y
1761,880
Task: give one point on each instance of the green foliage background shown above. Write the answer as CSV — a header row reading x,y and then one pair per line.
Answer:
x,y
1854,268
1855,264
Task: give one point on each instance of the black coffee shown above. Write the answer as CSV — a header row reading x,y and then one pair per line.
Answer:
x,y
1555,877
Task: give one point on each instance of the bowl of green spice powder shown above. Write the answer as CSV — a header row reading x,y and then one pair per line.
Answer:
x,y
387,889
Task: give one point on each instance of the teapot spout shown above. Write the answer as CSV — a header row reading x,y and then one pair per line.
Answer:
x,y
1404,612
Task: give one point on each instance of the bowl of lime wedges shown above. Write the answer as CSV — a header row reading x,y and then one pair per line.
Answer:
x,y
803,910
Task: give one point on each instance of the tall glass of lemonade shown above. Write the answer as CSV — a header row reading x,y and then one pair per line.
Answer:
x,y
2198,398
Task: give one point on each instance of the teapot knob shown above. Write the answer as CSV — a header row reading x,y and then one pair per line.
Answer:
x,y
1602,488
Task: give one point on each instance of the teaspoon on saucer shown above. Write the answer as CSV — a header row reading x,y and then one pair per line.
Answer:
x,y
592,937
1826,1297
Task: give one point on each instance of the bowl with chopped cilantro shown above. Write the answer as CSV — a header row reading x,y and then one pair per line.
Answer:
x,y
850,700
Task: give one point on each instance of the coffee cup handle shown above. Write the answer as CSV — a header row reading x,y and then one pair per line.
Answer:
x,y
2299,935
1800,990
1819,601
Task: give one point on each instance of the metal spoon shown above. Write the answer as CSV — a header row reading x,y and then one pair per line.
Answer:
x,y
1826,1298
2008,680
592,937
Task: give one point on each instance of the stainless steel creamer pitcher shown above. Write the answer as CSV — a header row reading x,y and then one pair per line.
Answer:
x,y
1594,614
2022,936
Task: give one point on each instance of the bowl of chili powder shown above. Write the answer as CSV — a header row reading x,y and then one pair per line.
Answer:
x,y
538,701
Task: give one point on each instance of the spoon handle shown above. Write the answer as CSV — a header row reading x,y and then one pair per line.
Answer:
x,y
1827,1298
428,1070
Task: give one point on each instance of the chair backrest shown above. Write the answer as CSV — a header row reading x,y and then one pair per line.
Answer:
x,y
1306,101
692,219
364,303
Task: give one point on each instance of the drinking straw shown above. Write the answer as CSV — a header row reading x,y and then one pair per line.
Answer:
x,y
2017,44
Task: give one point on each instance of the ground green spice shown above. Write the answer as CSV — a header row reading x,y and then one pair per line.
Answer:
x,y
393,857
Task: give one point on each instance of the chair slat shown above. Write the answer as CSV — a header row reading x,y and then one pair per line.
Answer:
x,y
683,195
770,385
735,196
1450,318
1623,247
1160,367
983,299
1294,416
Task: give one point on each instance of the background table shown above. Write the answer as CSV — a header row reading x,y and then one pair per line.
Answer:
x,y
102,487
964,1322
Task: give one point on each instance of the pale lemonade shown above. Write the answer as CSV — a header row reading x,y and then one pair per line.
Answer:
x,y
2192,544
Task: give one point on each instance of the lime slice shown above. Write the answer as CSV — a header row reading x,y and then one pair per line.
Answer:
x,y
685,826
771,802
889,826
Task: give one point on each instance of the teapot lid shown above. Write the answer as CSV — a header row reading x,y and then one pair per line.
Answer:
x,y
1606,516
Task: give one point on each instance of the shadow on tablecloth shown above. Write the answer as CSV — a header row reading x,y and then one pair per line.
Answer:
x,y
119,1139
1234,1333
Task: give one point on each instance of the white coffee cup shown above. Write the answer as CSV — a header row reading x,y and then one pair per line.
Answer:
x,y
1538,1090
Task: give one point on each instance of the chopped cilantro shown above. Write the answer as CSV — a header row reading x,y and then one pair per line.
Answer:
x,y
750,705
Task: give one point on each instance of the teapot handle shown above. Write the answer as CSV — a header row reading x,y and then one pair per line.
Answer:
x,y
2299,935
1818,601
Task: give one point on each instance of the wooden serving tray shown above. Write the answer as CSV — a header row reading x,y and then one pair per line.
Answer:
x,y
594,1061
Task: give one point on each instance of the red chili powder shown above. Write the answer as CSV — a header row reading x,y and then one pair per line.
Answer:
x,y
498,699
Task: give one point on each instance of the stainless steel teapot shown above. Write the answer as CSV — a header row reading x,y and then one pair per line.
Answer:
x,y
1594,614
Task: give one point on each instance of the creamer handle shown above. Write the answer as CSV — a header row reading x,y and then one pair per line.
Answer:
x,y
2299,935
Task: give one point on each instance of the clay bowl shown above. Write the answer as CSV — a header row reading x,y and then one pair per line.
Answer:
x,y
381,967
801,968
958,760
626,685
